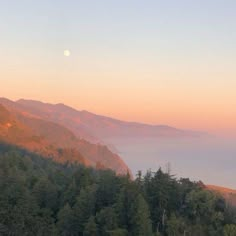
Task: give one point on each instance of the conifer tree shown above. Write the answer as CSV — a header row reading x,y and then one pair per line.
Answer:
x,y
90,228
141,223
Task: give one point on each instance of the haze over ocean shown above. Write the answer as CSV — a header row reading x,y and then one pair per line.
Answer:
x,y
211,160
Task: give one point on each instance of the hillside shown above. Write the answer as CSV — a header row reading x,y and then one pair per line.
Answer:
x,y
54,141
42,197
228,194
95,127
58,113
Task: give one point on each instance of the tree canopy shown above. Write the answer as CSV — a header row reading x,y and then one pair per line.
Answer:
x,y
42,197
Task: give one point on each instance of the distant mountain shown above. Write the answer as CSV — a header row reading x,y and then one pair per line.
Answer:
x,y
90,128
58,113
227,193
98,128
20,127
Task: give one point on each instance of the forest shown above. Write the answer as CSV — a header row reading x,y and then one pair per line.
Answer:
x,y
41,197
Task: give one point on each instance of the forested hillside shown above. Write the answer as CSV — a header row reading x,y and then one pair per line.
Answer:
x,y
41,197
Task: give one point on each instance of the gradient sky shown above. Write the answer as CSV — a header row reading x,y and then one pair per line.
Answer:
x,y
161,62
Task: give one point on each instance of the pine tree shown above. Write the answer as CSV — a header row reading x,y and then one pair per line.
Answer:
x,y
90,227
107,221
141,223
65,221
84,207
176,226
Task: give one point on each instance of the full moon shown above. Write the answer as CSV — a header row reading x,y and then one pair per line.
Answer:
x,y
66,53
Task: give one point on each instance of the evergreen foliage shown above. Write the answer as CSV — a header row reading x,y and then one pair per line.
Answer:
x,y
40,197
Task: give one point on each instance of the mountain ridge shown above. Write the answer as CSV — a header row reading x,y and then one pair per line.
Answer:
x,y
101,127
54,140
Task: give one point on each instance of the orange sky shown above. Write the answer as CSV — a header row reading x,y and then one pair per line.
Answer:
x,y
180,102
157,63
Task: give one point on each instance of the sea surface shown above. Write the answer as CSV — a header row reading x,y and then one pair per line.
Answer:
x,y
212,160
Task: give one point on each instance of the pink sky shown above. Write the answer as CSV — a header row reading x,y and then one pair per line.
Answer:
x,y
162,63
176,103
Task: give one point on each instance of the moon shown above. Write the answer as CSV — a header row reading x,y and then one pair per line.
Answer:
x,y
66,53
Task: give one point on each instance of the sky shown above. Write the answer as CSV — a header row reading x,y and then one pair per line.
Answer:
x,y
159,62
